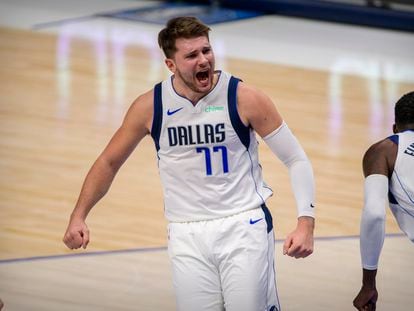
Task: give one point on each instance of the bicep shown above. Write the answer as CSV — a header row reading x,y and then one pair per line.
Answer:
x,y
122,143
133,129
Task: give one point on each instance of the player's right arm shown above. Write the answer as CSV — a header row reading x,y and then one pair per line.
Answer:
x,y
257,110
378,165
136,125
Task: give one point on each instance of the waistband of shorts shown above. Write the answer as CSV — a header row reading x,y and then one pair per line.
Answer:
x,y
262,206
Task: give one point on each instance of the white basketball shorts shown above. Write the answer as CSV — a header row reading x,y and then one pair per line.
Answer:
x,y
225,264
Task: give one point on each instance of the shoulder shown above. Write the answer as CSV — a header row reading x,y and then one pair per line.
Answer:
x,y
140,113
380,158
247,94
256,109
144,101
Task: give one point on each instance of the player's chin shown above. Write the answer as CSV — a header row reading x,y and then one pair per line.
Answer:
x,y
204,86
204,90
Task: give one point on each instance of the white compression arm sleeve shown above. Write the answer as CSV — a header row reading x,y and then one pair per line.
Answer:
x,y
373,220
287,148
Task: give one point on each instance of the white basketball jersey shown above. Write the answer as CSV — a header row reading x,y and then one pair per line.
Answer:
x,y
207,158
401,188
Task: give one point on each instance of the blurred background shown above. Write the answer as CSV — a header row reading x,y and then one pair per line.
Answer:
x,y
69,71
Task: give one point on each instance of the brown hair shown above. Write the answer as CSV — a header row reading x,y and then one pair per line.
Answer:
x,y
180,27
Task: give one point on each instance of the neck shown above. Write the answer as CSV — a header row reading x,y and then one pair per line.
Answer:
x,y
405,127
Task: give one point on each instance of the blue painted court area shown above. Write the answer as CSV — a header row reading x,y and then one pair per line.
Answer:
x,y
161,13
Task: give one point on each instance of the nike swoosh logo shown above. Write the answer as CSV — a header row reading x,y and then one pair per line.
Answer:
x,y
171,112
252,222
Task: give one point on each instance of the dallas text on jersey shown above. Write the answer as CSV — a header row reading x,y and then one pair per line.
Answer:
x,y
196,134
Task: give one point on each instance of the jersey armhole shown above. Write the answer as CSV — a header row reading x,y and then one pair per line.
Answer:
x,y
157,119
242,131
394,139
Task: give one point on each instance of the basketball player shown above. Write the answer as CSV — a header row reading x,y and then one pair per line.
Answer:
x,y
388,168
203,123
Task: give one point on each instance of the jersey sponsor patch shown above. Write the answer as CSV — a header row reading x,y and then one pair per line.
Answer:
x,y
212,108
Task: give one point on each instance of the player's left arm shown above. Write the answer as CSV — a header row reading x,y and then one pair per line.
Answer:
x,y
257,110
378,165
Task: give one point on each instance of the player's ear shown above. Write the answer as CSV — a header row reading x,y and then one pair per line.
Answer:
x,y
395,128
170,64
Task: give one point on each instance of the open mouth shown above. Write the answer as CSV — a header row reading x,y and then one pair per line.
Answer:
x,y
202,76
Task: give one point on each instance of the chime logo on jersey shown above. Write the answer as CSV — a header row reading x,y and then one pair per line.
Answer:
x,y
212,108
196,134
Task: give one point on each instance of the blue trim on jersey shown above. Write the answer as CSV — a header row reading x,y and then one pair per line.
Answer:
x,y
268,217
394,139
157,118
252,176
391,198
241,130
402,187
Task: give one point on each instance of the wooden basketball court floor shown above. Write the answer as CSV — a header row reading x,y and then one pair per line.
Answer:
x,y
64,90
